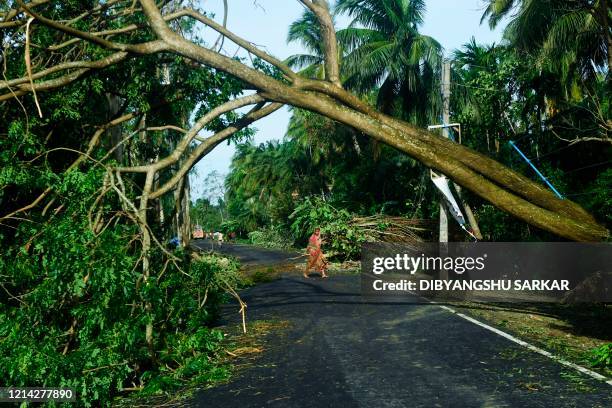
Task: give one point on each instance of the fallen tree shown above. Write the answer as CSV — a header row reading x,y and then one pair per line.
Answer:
x,y
501,186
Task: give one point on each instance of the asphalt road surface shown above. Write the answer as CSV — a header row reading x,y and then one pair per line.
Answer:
x,y
342,350
248,254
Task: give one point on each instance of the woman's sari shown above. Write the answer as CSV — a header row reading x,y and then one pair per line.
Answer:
x,y
315,255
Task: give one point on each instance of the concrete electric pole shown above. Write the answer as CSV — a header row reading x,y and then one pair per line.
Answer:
x,y
446,93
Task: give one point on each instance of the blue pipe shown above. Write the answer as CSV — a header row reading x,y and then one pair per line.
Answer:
x,y
536,170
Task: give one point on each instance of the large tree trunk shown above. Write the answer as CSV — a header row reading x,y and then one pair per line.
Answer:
x,y
494,182
482,175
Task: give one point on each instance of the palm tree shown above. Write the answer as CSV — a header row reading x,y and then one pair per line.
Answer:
x,y
473,56
385,51
570,37
470,62
306,31
262,177
382,53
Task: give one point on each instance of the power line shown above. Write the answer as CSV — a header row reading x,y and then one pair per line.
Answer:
x,y
481,88
553,152
589,192
588,167
542,176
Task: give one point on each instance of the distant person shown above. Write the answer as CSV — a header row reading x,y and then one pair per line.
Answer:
x,y
220,238
316,259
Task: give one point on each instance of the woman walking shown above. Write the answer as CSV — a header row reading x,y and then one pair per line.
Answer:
x,y
316,258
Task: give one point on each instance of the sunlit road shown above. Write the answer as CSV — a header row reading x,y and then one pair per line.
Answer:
x,y
247,254
342,350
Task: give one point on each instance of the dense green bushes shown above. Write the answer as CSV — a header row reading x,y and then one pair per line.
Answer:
x,y
602,356
272,237
341,238
73,313
74,300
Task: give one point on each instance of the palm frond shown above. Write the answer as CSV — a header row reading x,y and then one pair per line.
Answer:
x,y
300,61
496,10
352,37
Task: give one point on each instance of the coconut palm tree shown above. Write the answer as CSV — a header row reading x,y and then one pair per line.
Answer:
x,y
306,31
383,56
473,55
385,51
570,37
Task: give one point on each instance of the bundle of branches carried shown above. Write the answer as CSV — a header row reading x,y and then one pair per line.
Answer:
x,y
384,228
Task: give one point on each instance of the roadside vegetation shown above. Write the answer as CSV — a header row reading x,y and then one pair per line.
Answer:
x,y
92,297
545,86
577,333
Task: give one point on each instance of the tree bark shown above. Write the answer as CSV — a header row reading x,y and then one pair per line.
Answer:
x,y
114,133
146,258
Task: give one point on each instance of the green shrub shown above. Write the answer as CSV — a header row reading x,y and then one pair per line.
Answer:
x,y
341,237
72,309
272,237
602,356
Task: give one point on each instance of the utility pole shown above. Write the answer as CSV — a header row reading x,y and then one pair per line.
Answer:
x,y
446,93
446,126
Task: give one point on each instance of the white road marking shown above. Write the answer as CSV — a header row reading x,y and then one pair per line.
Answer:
x,y
531,347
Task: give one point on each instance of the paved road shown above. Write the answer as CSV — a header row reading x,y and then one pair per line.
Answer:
x,y
342,350
248,254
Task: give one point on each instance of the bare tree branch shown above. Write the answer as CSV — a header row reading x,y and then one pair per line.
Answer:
x,y
144,48
122,30
211,142
14,12
102,63
242,42
183,145
583,139
221,38
328,32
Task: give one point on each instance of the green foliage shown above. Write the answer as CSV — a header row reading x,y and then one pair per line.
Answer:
x,y
388,55
306,31
77,318
565,36
341,238
598,197
320,156
502,95
75,304
207,215
271,237
189,346
602,356
214,275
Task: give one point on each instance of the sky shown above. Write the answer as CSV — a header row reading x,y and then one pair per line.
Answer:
x,y
266,22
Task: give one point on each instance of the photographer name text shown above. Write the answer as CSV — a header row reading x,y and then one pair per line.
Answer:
x,y
405,285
